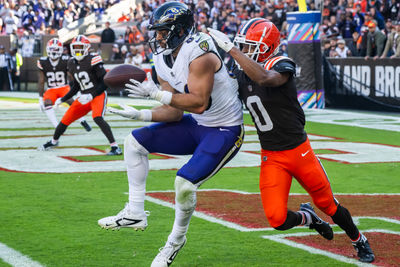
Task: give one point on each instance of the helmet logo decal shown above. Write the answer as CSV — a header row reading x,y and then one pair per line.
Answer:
x,y
204,46
171,13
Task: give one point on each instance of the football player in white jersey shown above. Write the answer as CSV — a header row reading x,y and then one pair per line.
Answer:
x,y
193,78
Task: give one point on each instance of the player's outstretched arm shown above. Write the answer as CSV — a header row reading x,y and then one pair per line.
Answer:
x,y
252,69
263,77
166,113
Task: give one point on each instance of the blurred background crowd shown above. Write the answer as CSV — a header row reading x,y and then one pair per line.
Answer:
x,y
356,28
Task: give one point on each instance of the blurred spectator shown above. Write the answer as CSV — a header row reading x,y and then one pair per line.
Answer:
x,y
120,39
116,54
342,50
123,18
375,41
136,36
134,57
358,17
354,45
326,48
108,35
124,52
28,44
128,33
347,26
392,47
283,49
17,62
376,15
5,69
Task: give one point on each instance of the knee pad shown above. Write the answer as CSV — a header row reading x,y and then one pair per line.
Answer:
x,y
185,194
133,152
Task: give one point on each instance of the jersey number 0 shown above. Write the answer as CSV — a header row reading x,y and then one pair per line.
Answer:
x,y
259,113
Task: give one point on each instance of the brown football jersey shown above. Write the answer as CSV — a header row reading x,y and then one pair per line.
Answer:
x,y
276,112
55,75
88,72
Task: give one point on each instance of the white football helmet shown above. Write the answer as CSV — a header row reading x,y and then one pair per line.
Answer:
x,y
80,46
54,48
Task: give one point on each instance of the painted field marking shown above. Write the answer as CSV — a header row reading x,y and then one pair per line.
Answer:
x,y
281,238
241,228
15,258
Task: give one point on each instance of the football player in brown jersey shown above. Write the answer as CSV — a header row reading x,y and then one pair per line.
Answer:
x,y
87,72
53,72
268,89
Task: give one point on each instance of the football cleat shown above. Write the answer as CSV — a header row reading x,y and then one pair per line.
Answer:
x,y
322,227
125,219
114,151
364,251
167,254
47,146
86,125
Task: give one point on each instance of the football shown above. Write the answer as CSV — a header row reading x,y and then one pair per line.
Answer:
x,y
117,77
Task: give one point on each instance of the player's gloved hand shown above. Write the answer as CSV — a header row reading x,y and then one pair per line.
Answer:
x,y
85,98
41,104
57,103
221,39
132,113
147,89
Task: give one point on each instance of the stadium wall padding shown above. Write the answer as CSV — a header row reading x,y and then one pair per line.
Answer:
x,y
304,48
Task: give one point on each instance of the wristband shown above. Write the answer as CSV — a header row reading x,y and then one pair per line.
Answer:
x,y
145,115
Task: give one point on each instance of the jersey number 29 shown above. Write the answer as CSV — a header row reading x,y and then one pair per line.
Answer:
x,y
55,79
259,113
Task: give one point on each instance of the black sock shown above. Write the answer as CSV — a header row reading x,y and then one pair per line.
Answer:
x,y
105,128
343,218
60,129
292,219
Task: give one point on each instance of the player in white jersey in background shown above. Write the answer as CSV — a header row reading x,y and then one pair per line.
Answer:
x,y
193,78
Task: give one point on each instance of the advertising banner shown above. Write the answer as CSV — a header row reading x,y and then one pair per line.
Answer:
x,y
304,48
363,84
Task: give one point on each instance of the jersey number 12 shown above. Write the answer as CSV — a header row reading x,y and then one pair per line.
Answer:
x,y
259,113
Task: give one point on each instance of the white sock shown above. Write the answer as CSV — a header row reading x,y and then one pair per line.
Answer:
x,y
81,119
137,164
306,220
51,115
181,224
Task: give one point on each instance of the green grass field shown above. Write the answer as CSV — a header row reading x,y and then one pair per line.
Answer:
x,y
52,217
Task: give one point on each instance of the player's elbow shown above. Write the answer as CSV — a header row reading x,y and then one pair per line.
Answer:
x,y
199,110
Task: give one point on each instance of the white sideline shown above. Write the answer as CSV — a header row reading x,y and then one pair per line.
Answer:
x,y
15,258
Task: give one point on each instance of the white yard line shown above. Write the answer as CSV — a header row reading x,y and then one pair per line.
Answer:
x,y
15,258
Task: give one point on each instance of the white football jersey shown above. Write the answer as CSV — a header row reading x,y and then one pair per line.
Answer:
x,y
225,108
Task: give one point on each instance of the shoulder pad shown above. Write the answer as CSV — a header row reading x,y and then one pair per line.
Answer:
x,y
96,59
43,58
65,57
272,61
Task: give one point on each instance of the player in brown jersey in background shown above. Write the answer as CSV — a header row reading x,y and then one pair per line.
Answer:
x,y
268,89
88,72
53,72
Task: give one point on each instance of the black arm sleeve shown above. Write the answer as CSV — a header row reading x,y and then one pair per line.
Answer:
x,y
100,73
74,89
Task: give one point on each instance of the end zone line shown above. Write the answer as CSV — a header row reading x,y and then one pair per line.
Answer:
x,y
281,239
15,258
